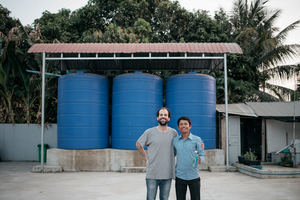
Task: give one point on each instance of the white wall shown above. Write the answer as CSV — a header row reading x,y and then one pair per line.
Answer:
x,y
276,134
18,142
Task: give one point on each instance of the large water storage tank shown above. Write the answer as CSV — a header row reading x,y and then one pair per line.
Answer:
x,y
136,98
194,95
82,118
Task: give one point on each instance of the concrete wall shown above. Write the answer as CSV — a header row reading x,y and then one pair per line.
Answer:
x,y
18,142
113,159
279,134
94,159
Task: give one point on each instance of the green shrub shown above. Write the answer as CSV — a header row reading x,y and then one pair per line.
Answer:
x,y
249,155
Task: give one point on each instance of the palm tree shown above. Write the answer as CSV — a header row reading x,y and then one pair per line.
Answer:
x,y
11,66
284,71
254,30
7,93
17,87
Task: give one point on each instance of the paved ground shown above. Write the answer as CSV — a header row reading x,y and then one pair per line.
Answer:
x,y
17,182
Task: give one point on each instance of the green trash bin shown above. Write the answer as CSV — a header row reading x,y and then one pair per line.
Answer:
x,y
46,146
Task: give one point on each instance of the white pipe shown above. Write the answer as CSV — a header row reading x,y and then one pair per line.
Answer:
x,y
294,157
226,112
43,112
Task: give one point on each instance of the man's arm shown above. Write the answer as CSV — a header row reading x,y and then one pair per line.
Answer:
x,y
142,151
201,152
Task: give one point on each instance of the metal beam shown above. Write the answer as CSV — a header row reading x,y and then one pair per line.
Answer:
x,y
226,112
46,74
131,57
136,58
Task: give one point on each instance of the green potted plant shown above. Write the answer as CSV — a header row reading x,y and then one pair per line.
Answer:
x,y
286,160
249,158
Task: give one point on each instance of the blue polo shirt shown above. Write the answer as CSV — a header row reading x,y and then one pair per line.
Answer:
x,y
185,152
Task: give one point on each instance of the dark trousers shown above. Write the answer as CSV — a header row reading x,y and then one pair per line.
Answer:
x,y
181,187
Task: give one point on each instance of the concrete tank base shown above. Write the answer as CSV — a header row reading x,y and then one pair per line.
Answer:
x,y
112,160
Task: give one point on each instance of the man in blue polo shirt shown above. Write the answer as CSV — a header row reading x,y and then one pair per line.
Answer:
x,y
189,151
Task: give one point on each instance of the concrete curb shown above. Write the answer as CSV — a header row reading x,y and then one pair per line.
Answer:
x,y
262,173
47,169
133,169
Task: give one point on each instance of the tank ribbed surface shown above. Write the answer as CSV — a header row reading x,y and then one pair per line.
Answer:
x,y
82,111
136,98
194,95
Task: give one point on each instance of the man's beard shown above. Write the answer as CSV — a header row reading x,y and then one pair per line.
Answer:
x,y
163,123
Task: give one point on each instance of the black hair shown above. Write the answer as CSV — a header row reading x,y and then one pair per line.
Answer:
x,y
184,118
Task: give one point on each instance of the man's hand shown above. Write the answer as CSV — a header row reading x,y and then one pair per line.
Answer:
x,y
143,152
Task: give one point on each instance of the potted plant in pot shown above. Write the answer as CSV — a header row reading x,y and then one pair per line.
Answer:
x,y
241,159
286,160
249,158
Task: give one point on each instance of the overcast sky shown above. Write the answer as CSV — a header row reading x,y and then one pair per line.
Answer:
x,y
28,10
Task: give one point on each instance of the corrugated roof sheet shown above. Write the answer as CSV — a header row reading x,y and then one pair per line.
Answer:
x,y
263,109
237,109
275,109
136,48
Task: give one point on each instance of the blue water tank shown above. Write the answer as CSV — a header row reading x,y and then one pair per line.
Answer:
x,y
194,95
136,98
82,114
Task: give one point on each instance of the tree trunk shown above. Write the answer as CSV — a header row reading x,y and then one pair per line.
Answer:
x,y
11,114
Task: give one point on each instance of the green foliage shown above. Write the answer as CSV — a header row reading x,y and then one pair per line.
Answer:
x,y
55,26
170,22
12,60
202,28
20,91
254,30
7,22
133,21
286,160
249,155
142,29
251,25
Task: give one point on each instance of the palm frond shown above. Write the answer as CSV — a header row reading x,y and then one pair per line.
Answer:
x,y
264,97
281,71
3,36
256,10
268,23
278,54
279,91
283,34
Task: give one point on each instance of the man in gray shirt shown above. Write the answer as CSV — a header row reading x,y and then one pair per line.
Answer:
x,y
159,156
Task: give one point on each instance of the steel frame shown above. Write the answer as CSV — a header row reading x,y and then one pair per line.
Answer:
x,y
132,57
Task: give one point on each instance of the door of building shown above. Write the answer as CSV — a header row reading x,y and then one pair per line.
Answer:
x,y
234,142
251,136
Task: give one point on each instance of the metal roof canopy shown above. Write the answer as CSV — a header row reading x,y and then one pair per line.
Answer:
x,y
127,56
137,56
283,111
240,109
276,109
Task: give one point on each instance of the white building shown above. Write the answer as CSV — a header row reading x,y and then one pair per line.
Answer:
x,y
262,127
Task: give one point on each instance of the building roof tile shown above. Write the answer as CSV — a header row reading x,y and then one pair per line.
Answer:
x,y
136,48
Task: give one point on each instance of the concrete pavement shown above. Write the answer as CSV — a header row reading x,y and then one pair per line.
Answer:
x,y
18,182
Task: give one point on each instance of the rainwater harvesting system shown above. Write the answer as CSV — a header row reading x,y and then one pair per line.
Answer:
x,y
101,57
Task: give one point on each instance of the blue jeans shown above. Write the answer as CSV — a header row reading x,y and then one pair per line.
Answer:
x,y
164,188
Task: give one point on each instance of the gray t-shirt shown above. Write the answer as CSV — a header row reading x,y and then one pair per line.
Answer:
x,y
161,163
